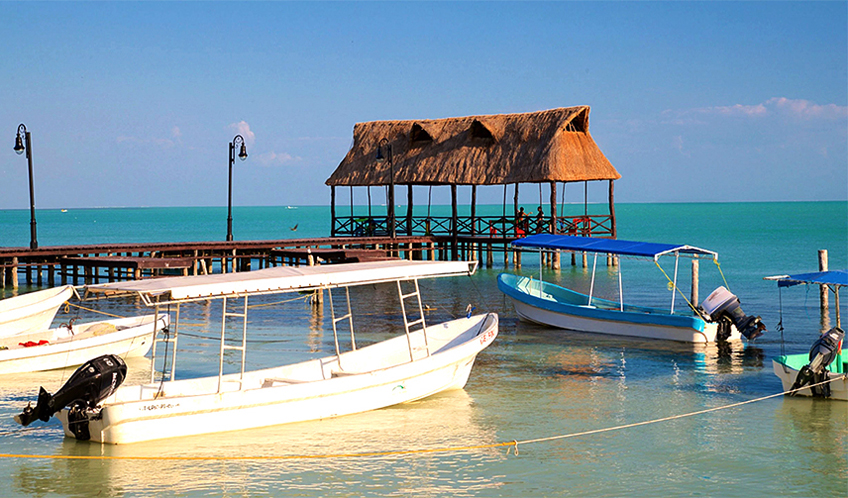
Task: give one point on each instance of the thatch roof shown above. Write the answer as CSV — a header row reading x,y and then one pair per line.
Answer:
x,y
532,147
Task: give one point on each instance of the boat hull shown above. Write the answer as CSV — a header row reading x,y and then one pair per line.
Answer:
x,y
549,304
33,311
125,337
787,367
317,389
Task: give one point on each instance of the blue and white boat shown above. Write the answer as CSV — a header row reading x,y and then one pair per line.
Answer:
x,y
718,318
823,372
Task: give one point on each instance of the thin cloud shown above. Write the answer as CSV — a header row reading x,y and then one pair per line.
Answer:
x,y
275,159
774,107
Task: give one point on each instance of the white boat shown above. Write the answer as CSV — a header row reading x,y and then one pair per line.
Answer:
x,y
719,318
427,359
825,362
74,344
32,311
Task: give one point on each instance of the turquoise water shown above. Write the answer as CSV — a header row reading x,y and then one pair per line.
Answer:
x,y
533,382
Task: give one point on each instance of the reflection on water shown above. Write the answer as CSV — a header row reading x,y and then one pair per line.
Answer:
x,y
445,420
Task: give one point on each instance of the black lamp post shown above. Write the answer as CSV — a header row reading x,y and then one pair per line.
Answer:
x,y
242,155
391,200
20,148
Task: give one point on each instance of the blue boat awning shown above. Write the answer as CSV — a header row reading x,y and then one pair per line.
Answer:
x,y
608,246
832,277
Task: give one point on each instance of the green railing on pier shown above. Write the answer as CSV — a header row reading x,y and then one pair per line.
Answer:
x,y
492,226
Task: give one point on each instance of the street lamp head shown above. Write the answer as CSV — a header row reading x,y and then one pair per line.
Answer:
x,y
19,145
238,139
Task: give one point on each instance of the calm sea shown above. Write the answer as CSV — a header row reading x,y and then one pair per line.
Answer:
x,y
533,382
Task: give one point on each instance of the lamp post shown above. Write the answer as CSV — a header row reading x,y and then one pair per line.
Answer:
x,y
238,139
19,149
391,199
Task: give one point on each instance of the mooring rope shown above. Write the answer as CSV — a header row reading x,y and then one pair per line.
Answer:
x,y
675,287
511,445
67,304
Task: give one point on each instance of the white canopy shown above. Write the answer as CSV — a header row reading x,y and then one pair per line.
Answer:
x,y
280,279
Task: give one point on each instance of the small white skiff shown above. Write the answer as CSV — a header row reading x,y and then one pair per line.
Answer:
x,y
32,311
75,344
425,360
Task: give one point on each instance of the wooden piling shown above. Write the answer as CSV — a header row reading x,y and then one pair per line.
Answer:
x,y
693,296
823,297
13,274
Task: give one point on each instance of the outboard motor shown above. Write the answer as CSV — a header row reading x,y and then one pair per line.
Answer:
x,y
822,355
723,307
91,383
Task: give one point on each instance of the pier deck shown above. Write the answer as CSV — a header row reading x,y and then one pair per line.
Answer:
x,y
113,262
110,262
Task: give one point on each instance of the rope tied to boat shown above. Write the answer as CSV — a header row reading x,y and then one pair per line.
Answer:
x,y
511,445
68,304
675,287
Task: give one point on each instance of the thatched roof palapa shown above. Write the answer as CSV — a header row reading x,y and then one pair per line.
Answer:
x,y
544,146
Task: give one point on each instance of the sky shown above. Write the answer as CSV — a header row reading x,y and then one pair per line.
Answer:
x,y
134,104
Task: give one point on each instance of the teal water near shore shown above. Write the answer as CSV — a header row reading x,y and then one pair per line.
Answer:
x,y
533,382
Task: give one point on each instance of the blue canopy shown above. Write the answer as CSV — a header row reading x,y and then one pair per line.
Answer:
x,y
833,277
609,246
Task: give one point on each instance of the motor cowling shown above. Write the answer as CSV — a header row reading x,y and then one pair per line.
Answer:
x,y
723,307
91,383
822,354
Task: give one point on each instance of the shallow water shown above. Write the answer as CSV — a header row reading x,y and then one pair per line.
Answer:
x,y
532,383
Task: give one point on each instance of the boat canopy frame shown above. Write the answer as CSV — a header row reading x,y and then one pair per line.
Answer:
x,y
832,280
279,280
618,247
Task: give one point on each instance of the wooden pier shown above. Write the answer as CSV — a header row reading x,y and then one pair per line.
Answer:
x,y
113,262
96,263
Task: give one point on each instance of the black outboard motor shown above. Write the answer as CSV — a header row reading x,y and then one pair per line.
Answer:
x,y
723,307
822,355
91,383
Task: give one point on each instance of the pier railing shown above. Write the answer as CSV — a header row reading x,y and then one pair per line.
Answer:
x,y
490,226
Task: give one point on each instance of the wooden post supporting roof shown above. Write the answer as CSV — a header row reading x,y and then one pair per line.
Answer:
x,y
454,227
409,210
473,210
612,210
333,211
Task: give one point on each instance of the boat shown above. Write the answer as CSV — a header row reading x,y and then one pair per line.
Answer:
x,y
32,311
425,360
807,374
73,344
719,318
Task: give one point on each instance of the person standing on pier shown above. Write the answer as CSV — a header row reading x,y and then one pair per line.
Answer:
x,y
521,223
540,220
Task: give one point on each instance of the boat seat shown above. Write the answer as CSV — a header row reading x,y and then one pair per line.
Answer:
x,y
340,373
270,381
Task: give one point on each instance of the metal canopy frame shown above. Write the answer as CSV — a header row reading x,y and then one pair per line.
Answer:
x,y
160,299
692,252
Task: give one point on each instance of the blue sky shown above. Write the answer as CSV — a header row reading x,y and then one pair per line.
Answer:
x,y
133,104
